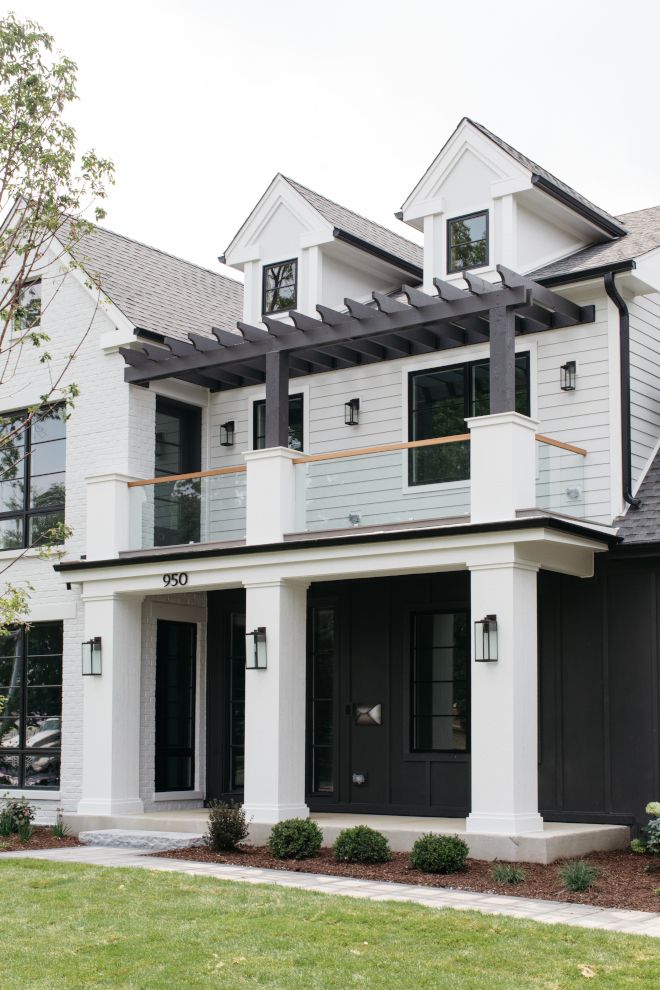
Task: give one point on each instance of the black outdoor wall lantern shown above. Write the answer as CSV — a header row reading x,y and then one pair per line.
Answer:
x,y
485,639
567,374
91,657
227,433
256,657
352,412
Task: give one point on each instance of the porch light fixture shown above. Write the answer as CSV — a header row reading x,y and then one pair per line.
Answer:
x,y
485,639
227,433
567,374
256,657
352,412
91,657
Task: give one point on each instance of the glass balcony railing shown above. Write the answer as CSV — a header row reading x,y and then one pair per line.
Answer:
x,y
560,477
377,486
204,507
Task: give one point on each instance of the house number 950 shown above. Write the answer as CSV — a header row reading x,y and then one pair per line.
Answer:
x,y
175,580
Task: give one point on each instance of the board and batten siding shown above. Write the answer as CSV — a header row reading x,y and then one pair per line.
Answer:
x,y
330,494
644,381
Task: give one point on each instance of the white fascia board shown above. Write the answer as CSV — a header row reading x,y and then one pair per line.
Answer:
x,y
423,208
645,278
509,187
426,554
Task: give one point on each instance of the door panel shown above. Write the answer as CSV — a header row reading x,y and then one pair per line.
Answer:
x,y
176,644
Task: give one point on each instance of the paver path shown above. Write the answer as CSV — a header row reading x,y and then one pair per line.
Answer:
x,y
550,912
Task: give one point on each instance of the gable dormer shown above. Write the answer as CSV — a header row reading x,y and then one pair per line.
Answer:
x,y
482,203
298,249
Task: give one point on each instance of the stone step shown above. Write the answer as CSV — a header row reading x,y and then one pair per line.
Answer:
x,y
134,838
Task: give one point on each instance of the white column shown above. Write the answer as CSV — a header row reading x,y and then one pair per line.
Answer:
x,y
108,515
275,704
502,465
504,702
111,708
271,501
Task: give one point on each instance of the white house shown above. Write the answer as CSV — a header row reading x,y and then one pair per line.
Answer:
x,y
421,480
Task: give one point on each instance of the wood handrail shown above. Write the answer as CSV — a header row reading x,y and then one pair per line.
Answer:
x,y
560,443
382,448
239,469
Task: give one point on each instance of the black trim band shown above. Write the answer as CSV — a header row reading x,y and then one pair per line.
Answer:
x,y
377,252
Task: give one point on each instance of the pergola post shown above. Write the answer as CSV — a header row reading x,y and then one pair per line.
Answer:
x,y
277,399
502,359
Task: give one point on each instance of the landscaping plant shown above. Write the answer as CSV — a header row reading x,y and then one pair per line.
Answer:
x,y
227,825
651,832
439,854
578,875
295,838
14,814
507,873
59,830
361,844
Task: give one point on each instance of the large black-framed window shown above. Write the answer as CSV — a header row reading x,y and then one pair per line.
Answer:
x,y
280,286
32,475
177,451
31,709
439,402
176,648
439,688
467,242
296,423
323,645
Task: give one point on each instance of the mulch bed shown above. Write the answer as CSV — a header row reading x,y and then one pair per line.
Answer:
x,y
42,838
621,883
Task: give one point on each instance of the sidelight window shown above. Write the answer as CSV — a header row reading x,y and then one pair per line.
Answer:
x,y
323,646
175,706
439,716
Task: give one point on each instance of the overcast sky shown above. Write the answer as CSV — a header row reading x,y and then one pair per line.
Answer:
x,y
200,102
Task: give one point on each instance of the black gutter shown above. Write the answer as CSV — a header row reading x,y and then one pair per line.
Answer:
x,y
391,259
624,360
585,274
577,206
530,522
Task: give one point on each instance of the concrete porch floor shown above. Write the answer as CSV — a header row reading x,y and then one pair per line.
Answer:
x,y
558,840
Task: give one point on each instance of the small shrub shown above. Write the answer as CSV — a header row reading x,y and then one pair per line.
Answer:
x,y
227,825
14,813
578,875
507,873
439,854
60,831
361,844
25,832
295,838
638,846
652,837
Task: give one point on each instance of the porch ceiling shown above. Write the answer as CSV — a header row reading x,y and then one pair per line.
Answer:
x,y
383,330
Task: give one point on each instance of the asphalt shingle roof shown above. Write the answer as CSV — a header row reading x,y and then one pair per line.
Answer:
x,y
158,291
358,226
642,525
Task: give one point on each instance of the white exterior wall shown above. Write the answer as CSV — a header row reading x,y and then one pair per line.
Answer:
x,y
644,382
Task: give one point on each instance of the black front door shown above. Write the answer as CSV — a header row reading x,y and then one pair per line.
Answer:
x,y
176,644
388,695
225,695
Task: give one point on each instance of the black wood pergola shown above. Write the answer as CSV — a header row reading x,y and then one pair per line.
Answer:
x,y
364,334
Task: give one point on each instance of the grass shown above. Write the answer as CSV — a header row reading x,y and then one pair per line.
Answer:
x,y
67,926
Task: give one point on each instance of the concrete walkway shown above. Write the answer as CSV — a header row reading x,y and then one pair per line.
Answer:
x,y
550,912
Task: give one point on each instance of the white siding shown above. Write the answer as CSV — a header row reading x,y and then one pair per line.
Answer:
x,y
644,381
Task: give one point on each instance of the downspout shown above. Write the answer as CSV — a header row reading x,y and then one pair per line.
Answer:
x,y
624,360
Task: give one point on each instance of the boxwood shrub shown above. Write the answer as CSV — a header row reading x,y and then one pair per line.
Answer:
x,y
361,844
295,838
439,854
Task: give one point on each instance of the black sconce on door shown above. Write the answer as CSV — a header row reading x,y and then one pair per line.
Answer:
x,y
567,375
485,639
256,657
91,657
227,433
352,412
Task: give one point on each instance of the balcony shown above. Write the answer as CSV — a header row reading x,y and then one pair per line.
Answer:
x,y
374,488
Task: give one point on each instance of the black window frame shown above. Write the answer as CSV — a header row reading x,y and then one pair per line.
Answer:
x,y
329,700
468,216
23,317
163,749
23,751
413,749
28,512
261,404
177,513
264,290
468,402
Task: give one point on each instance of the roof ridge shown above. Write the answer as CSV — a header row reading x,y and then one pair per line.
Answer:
x,y
333,202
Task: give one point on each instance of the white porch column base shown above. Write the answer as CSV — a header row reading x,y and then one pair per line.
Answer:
x,y
271,497
504,700
275,700
108,516
502,465
111,708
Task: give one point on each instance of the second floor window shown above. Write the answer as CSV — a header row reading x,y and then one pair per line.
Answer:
x,y
280,286
440,400
32,476
296,423
178,451
467,242
28,314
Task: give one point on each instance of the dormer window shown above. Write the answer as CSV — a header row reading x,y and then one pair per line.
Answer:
x,y
28,313
467,242
280,286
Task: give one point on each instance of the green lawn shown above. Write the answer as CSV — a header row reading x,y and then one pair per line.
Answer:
x,y
72,926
